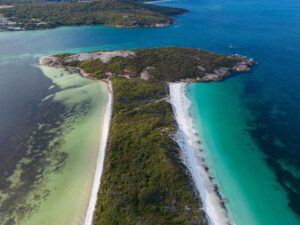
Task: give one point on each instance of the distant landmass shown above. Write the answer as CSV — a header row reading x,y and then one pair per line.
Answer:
x,y
33,14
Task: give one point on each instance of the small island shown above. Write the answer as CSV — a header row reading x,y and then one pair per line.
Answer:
x,y
144,179
18,15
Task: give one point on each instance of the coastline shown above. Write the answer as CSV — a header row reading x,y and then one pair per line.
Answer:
x,y
101,157
132,16
208,198
77,175
15,28
189,142
102,148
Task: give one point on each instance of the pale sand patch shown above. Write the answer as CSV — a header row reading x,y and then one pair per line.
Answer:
x,y
103,56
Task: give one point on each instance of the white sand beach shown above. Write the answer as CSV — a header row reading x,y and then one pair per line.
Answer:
x,y
101,157
189,142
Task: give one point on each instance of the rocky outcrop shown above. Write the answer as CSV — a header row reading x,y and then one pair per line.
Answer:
x,y
244,65
50,61
7,25
145,75
104,56
216,75
203,69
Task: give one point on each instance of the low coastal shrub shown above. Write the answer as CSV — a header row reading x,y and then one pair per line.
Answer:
x,y
144,181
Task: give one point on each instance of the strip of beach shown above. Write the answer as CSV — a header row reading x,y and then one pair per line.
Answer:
x,y
191,145
101,154
104,135
101,157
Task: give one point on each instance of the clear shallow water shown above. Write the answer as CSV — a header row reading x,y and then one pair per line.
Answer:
x,y
246,183
70,187
265,102
48,158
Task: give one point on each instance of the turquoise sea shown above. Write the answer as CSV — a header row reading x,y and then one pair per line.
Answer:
x,y
249,123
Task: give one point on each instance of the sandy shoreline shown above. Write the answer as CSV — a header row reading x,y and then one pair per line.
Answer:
x,y
101,156
189,143
102,148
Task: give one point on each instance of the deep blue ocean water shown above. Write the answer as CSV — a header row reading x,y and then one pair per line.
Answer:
x,y
268,31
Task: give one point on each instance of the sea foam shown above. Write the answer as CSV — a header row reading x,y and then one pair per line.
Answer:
x,y
189,143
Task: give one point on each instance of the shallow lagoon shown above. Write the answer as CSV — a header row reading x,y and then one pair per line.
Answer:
x,y
53,176
70,188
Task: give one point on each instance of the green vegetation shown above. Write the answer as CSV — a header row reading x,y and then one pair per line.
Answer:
x,y
144,181
122,13
164,64
96,68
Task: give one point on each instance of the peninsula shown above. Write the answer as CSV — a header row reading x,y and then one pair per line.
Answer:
x,y
32,15
145,179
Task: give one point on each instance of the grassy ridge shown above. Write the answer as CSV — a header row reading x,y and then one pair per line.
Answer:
x,y
144,181
99,12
